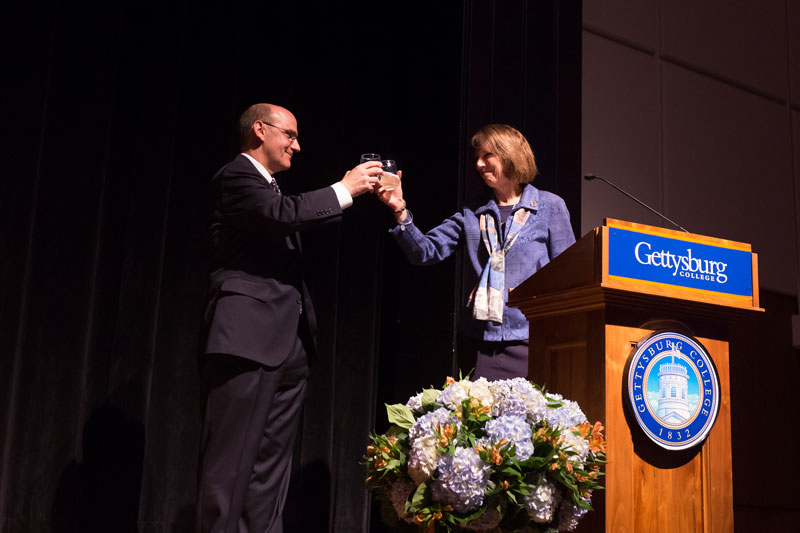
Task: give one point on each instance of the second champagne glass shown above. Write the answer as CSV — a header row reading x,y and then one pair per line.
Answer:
x,y
390,180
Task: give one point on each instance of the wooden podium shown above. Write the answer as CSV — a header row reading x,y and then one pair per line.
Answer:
x,y
587,317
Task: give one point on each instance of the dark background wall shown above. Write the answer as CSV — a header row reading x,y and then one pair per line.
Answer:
x,y
115,116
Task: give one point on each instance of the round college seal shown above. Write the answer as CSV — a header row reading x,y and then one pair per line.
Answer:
x,y
673,390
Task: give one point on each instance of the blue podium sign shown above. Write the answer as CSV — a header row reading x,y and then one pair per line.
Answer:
x,y
677,262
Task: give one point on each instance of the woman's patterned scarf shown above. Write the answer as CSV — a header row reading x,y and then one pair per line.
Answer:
x,y
489,295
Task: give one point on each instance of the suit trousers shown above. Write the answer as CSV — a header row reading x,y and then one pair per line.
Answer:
x,y
249,427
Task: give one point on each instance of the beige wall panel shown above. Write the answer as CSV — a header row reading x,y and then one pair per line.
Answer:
x,y
743,40
634,21
619,132
727,164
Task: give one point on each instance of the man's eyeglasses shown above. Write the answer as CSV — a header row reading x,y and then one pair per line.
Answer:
x,y
291,135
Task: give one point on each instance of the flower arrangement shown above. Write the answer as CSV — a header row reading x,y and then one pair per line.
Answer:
x,y
486,456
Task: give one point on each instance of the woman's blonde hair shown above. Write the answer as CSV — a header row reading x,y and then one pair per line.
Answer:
x,y
507,143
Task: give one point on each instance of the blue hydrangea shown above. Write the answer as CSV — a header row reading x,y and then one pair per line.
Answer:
x,y
513,428
518,397
415,403
462,480
427,423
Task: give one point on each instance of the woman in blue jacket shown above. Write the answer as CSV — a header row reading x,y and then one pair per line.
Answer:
x,y
518,231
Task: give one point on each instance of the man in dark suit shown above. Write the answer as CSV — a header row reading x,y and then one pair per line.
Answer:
x,y
260,324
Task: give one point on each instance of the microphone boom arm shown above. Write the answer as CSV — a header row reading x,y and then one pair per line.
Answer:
x,y
590,177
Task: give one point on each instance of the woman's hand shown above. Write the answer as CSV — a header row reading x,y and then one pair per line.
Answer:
x,y
393,198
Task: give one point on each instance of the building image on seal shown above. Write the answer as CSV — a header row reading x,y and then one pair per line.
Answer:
x,y
673,392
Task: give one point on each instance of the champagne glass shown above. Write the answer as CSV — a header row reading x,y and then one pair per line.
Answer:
x,y
369,157
390,180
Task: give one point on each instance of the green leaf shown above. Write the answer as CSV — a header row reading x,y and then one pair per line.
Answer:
x,y
429,396
509,471
391,465
418,499
534,463
400,415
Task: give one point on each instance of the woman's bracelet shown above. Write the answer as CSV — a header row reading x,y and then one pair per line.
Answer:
x,y
401,209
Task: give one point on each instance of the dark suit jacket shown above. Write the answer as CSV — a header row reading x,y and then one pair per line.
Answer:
x,y
256,288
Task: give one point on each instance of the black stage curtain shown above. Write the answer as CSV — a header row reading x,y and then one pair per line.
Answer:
x,y
117,114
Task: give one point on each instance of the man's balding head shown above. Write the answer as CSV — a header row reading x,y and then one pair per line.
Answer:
x,y
269,134
250,115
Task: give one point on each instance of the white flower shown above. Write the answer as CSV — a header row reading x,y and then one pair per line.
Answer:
x,y
454,394
543,502
481,391
576,444
423,457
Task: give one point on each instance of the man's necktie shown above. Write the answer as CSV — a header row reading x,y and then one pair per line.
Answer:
x,y
275,187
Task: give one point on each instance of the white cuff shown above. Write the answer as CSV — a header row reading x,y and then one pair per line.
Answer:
x,y
345,200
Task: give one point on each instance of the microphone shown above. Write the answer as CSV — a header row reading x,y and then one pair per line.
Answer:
x,y
590,177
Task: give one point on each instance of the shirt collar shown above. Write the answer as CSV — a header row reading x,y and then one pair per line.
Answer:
x,y
261,170
529,200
